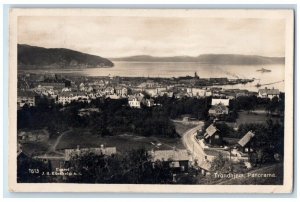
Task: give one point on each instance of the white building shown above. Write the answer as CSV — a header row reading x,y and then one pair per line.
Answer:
x,y
268,93
135,101
224,102
196,92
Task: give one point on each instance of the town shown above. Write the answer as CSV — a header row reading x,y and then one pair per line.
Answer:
x,y
185,129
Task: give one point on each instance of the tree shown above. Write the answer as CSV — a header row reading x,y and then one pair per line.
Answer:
x,y
221,164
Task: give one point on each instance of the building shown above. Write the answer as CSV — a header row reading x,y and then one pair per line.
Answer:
x,y
151,91
215,101
245,143
65,98
148,84
109,90
26,97
213,136
56,83
135,101
178,159
121,91
107,151
218,110
268,93
149,102
196,92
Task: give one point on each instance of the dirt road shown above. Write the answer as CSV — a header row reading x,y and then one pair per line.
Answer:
x,y
191,144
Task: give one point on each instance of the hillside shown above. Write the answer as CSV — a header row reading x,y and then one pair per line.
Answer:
x,y
217,59
38,57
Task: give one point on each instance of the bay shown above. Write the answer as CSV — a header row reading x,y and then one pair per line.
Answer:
x,y
275,78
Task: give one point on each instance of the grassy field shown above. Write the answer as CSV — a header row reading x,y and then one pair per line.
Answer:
x,y
124,142
181,128
244,117
35,148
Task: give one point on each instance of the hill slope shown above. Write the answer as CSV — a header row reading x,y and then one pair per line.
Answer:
x,y
218,59
37,57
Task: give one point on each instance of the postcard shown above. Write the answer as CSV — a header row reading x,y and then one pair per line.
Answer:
x,y
151,100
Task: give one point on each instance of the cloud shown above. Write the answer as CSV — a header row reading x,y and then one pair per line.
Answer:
x,y
159,36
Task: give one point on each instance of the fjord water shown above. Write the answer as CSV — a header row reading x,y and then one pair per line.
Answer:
x,y
176,69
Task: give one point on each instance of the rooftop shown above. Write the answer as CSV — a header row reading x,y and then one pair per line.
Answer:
x,y
244,140
167,155
210,131
269,91
83,151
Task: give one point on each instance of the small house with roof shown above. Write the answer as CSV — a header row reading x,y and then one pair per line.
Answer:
x,y
219,107
149,102
135,101
213,136
177,159
268,93
121,91
218,110
246,142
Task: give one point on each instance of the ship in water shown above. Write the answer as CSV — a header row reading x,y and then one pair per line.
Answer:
x,y
263,70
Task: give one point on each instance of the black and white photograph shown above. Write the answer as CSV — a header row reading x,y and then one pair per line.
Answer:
x,y
200,99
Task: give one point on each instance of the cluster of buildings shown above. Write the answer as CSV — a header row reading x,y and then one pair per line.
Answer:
x,y
178,160
212,144
83,89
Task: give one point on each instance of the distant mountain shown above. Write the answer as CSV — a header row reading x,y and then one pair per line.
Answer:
x,y
217,59
61,58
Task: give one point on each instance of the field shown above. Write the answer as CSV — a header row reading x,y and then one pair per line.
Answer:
x,y
181,127
124,142
245,117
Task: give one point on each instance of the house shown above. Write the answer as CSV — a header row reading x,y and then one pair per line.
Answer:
x,y
213,136
215,101
151,91
81,97
148,84
196,92
109,90
26,97
107,151
178,159
245,143
208,93
268,93
90,89
113,96
166,93
218,110
121,91
135,101
66,89
65,97
149,102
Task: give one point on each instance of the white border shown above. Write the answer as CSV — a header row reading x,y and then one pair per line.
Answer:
x,y
63,187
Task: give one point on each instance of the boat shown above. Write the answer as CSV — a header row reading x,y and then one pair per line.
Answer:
x,y
258,85
263,70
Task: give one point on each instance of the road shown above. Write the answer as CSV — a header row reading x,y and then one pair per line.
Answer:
x,y
191,144
52,149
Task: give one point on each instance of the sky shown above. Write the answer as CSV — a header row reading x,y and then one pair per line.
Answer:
x,y
112,36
